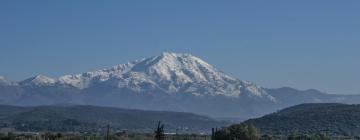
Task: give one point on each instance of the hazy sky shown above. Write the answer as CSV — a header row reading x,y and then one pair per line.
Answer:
x,y
302,44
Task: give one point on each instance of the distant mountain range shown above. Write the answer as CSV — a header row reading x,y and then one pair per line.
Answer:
x,y
312,118
75,118
173,82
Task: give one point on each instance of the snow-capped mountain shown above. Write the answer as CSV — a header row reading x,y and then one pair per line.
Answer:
x,y
3,80
39,80
170,72
170,81
6,82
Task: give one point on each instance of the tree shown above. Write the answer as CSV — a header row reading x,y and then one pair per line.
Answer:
x,y
323,137
159,132
238,132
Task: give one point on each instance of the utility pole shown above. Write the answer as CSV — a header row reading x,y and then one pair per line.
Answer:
x,y
176,133
107,133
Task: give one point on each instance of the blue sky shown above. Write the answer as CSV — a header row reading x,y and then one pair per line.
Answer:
x,y
302,44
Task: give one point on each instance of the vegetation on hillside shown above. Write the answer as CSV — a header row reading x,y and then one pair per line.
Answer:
x,y
77,118
237,132
329,119
301,122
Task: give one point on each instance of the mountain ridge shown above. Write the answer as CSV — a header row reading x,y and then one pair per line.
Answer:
x,y
170,72
64,118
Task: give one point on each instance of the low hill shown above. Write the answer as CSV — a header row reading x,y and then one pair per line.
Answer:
x,y
93,118
326,118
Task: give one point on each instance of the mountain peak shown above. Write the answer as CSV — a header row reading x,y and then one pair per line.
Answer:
x,y
5,81
167,54
181,68
39,80
175,55
185,73
170,57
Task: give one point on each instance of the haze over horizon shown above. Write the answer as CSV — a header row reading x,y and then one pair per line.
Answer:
x,y
272,44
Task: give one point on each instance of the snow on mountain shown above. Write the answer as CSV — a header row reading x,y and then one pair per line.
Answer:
x,y
181,73
84,80
3,80
6,82
39,80
169,72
